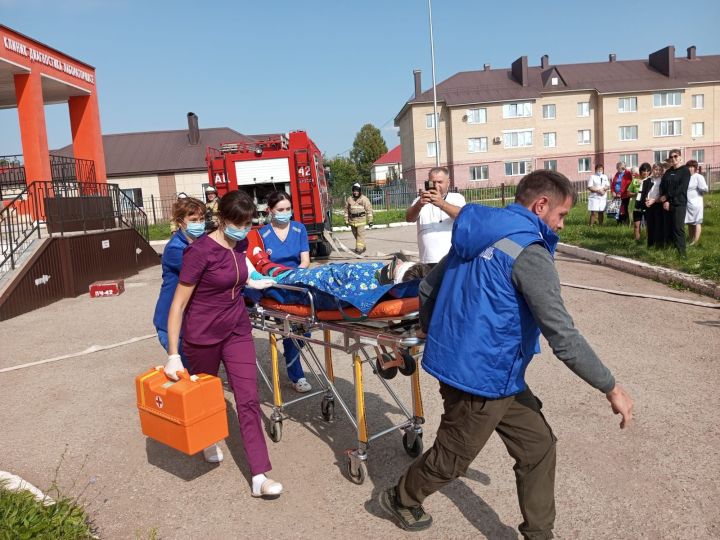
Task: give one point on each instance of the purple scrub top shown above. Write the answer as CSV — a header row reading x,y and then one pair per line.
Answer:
x,y
217,307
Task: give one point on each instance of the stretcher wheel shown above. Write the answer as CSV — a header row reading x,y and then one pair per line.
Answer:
x,y
410,364
361,473
276,431
417,446
328,409
388,373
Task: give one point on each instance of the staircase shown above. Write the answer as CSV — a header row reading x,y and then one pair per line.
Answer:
x,y
71,231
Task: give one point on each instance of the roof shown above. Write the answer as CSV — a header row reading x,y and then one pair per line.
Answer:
x,y
495,85
153,152
393,156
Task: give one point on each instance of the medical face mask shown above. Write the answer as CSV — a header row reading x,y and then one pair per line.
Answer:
x,y
283,217
195,229
235,233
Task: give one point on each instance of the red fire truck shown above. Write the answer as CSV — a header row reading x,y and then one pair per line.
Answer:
x,y
291,163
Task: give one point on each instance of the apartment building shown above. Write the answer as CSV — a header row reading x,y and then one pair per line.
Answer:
x,y
496,125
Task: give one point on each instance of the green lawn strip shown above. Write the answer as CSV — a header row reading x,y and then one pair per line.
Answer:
x,y
702,259
21,517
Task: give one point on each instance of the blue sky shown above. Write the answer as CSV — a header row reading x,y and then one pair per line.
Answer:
x,y
324,66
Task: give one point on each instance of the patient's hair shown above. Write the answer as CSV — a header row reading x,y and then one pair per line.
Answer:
x,y
416,271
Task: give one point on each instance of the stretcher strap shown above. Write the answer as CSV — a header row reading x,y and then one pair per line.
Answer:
x,y
349,317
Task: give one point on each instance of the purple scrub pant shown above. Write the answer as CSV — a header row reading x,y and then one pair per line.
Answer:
x,y
238,355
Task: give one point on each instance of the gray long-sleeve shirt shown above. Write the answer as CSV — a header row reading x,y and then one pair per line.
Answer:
x,y
535,277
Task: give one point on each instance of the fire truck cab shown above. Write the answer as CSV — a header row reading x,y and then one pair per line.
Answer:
x,y
290,163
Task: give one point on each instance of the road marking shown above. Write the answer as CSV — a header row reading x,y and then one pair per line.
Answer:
x,y
89,350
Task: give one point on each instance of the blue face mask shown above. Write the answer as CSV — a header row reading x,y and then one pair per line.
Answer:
x,y
195,229
282,217
235,233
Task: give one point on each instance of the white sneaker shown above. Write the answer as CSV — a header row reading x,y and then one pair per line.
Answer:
x,y
302,386
213,454
269,489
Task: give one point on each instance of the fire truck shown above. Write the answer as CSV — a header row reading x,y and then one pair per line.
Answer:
x,y
290,163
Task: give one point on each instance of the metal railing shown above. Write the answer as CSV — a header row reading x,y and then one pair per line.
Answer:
x,y
67,169
63,207
12,174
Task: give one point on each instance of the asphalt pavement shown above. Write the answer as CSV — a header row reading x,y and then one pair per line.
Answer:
x,y
74,421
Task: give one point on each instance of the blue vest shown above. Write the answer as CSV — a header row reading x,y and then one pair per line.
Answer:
x,y
482,334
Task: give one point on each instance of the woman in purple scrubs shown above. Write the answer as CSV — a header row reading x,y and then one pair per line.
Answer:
x,y
209,305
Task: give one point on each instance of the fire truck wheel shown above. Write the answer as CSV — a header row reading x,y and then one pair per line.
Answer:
x,y
323,249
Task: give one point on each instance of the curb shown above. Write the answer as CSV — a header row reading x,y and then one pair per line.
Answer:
x,y
15,483
641,269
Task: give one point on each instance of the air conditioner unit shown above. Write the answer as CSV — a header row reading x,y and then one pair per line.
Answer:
x,y
496,140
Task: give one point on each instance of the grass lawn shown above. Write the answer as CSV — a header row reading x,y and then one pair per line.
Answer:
x,y
702,259
21,516
161,231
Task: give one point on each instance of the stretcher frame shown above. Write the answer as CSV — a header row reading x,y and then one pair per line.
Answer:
x,y
389,337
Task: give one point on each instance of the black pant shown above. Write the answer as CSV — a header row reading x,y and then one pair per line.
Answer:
x,y
655,225
624,216
675,227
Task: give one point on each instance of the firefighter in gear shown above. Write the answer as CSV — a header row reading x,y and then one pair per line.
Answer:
x,y
211,215
358,213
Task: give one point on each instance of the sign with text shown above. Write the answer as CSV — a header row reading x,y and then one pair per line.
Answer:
x,y
38,56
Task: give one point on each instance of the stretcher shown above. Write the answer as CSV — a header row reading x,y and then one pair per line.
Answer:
x,y
385,339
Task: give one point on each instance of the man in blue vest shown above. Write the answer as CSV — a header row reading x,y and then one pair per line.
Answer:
x,y
499,285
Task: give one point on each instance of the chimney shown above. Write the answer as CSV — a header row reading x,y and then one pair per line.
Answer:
x,y
612,57
691,52
663,61
418,85
519,70
193,129
544,61
486,67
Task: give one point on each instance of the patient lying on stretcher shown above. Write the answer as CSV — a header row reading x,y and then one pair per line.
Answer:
x,y
359,284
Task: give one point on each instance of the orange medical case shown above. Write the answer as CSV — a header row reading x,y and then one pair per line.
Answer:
x,y
187,415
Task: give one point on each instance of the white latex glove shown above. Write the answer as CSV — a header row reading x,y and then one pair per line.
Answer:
x,y
259,283
174,364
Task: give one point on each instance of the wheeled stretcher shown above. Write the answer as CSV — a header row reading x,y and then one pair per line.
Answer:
x,y
385,339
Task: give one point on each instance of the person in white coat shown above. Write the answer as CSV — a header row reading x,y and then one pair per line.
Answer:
x,y
694,214
598,186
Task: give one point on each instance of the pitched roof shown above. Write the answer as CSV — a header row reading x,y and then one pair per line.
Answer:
x,y
494,85
393,156
153,152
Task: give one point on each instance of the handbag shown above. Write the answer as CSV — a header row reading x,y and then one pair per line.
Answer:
x,y
613,207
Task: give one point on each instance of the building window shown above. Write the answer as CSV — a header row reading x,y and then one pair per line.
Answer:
x,y
517,110
549,140
431,150
698,101
478,144
584,164
479,172
660,155
554,81
583,136
698,129
667,99
517,168
477,116
699,155
628,133
550,165
549,111
627,104
667,128
135,195
429,120
630,160
583,108
517,139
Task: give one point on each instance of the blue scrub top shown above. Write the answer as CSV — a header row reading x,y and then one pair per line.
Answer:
x,y
171,263
287,252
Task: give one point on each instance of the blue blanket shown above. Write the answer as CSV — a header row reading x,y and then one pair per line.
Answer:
x,y
341,285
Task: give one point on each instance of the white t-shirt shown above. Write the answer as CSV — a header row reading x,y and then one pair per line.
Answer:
x,y
434,229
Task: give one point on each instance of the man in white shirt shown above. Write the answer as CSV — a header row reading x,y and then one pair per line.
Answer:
x,y
435,211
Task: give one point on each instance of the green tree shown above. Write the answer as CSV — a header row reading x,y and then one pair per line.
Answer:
x,y
368,146
344,174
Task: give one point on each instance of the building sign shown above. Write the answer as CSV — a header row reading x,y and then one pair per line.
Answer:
x,y
38,56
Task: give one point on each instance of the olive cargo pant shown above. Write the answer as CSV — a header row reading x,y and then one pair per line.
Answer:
x,y
465,427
